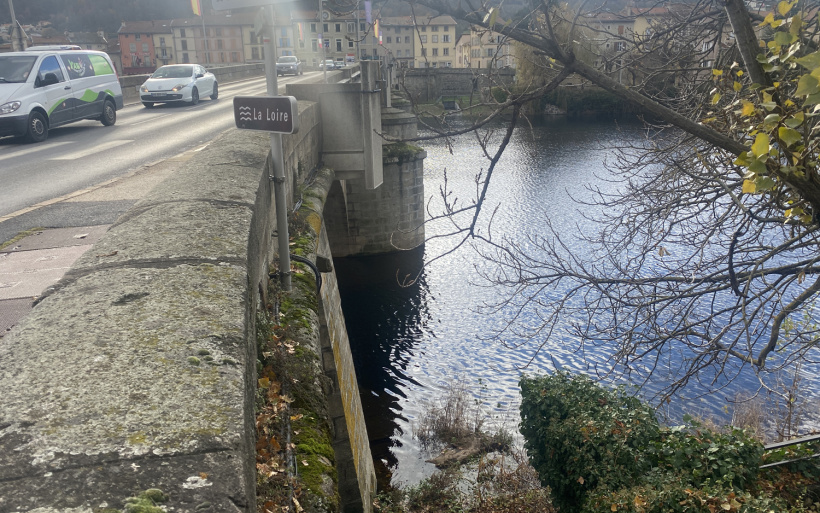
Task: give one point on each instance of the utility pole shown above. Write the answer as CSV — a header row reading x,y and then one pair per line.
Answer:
x,y
16,34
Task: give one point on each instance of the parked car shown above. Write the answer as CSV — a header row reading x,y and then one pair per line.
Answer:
x,y
289,64
179,83
328,63
45,87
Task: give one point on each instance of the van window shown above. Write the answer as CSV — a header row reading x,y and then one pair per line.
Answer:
x,y
50,65
15,68
81,65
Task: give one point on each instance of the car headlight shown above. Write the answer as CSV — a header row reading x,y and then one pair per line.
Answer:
x,y
144,88
179,87
9,107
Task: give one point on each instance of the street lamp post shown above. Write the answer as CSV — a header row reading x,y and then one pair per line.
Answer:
x,y
16,36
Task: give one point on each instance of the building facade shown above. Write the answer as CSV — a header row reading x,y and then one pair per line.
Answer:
x,y
435,42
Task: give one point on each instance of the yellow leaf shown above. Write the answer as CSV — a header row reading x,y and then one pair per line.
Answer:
x,y
581,480
737,86
726,506
717,72
715,98
749,187
613,508
761,145
784,7
748,108
263,382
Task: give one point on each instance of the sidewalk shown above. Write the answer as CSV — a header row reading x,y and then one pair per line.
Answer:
x,y
39,258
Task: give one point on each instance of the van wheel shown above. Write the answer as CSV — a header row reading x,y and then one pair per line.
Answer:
x,y
37,127
215,92
109,113
194,96
148,105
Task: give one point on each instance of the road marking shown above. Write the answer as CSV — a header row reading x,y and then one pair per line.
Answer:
x,y
92,151
32,149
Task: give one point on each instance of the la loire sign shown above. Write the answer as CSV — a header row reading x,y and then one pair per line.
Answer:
x,y
267,113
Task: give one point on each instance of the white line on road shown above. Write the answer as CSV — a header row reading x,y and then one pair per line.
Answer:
x,y
95,149
32,149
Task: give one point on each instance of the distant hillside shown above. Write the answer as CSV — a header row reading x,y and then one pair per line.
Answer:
x,y
93,15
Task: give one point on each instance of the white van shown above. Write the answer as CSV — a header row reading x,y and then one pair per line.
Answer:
x,y
43,88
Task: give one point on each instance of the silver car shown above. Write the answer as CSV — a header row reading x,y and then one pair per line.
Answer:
x,y
179,83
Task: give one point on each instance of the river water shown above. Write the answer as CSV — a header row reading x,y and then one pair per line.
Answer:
x,y
411,344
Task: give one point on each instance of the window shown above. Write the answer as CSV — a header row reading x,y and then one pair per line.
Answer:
x,y
620,46
435,52
162,41
434,65
144,47
423,39
351,27
314,45
218,31
234,56
445,38
324,28
435,39
184,44
361,27
424,52
434,28
254,53
254,40
350,43
338,45
185,58
133,47
283,42
490,52
424,28
338,27
313,27
447,64
219,44
137,36
398,53
182,33
445,51
447,29
407,40
389,39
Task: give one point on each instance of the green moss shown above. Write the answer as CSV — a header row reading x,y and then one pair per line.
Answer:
x,y
401,151
137,438
203,352
146,502
314,453
20,236
193,360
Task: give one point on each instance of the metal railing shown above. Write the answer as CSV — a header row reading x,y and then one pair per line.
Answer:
x,y
787,443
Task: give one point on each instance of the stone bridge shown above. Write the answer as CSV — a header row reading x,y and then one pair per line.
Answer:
x,y
138,370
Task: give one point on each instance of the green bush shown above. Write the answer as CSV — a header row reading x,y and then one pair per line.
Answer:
x,y
702,456
670,492
580,436
500,94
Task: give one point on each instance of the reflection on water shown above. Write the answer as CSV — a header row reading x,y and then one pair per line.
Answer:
x,y
410,343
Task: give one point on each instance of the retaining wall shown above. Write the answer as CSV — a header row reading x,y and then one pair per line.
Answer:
x,y
429,84
137,370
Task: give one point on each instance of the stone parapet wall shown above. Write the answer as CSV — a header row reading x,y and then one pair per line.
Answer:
x,y
137,370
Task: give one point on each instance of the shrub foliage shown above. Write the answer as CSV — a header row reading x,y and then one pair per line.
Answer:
x,y
602,449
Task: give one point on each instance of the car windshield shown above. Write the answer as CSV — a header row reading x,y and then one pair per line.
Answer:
x,y
15,68
174,72
287,60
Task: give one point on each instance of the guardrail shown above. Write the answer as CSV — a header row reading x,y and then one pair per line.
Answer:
x,y
787,443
